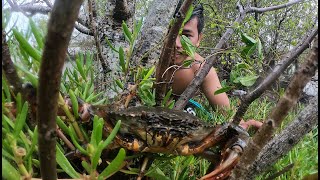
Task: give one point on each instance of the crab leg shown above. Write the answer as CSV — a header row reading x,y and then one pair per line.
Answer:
x,y
133,145
225,167
212,139
230,158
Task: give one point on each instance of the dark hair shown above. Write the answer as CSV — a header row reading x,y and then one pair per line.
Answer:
x,y
197,12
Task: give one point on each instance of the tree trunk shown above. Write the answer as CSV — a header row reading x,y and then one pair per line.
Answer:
x,y
109,26
155,27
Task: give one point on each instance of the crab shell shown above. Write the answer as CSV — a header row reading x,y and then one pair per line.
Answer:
x,y
157,129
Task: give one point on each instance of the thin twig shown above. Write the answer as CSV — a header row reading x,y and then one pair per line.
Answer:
x,y
64,139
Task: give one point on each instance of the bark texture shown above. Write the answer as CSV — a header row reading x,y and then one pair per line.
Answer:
x,y
60,27
155,27
108,27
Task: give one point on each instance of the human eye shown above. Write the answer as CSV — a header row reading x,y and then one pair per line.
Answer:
x,y
187,35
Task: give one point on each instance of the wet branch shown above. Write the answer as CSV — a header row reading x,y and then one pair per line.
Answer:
x,y
60,27
290,98
274,75
168,52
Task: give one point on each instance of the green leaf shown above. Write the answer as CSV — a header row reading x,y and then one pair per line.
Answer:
x,y
96,135
80,67
119,83
33,144
187,46
122,59
31,77
86,166
147,96
73,135
6,90
110,45
93,97
104,144
115,165
8,171
242,66
7,155
35,54
99,102
8,121
186,19
19,103
62,125
150,72
112,134
185,167
248,80
223,89
21,120
156,173
187,63
248,51
137,28
86,89
247,39
36,33
166,98
74,102
65,164
127,32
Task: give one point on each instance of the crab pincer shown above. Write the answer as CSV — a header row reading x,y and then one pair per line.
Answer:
x,y
230,156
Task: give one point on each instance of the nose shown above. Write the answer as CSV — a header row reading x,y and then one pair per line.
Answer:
x,y
178,43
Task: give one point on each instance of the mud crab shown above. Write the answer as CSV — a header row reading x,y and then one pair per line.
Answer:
x,y
162,130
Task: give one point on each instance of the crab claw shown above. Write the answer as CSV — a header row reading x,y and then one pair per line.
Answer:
x,y
223,170
230,158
